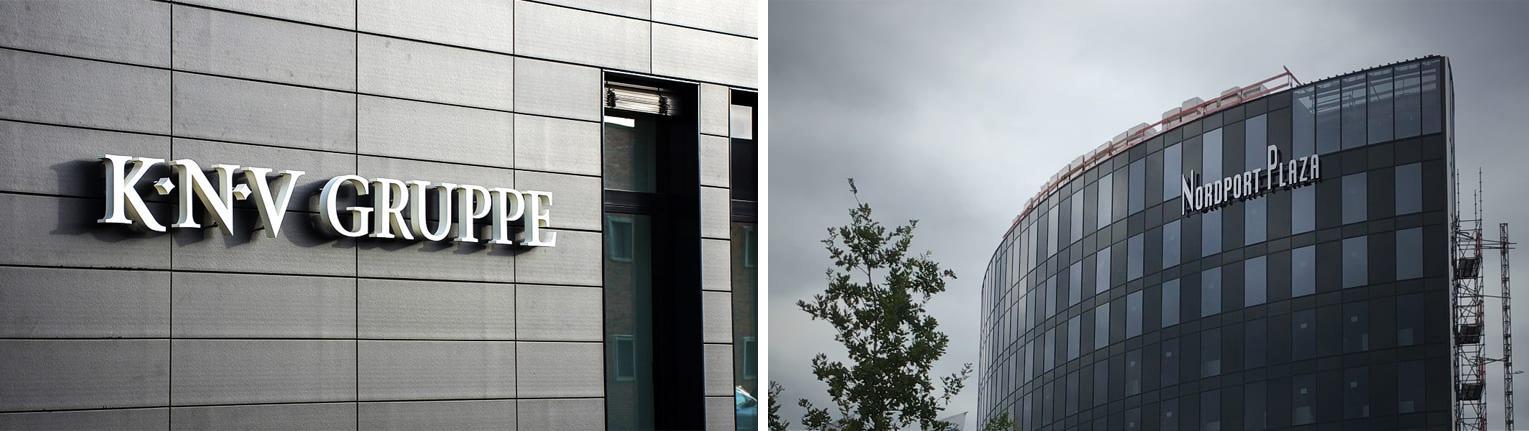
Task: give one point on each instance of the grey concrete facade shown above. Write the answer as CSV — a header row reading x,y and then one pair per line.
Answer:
x,y
102,326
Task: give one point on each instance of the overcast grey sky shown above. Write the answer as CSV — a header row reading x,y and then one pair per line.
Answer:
x,y
954,114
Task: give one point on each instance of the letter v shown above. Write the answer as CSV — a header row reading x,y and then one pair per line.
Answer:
x,y
270,213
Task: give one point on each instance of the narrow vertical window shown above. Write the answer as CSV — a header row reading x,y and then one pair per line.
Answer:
x,y
1408,103
1102,271
1329,118
1173,171
1210,156
1105,193
1255,343
1356,327
1210,233
1303,271
1102,326
1303,128
1171,243
1210,410
1135,252
1356,262
1255,281
1137,194
1410,389
1074,332
1409,188
1409,253
1133,372
1431,98
1381,121
1303,210
1354,124
1255,413
1210,352
1170,302
1133,314
1409,319
1355,202
1356,395
1210,292
1170,361
1303,334
1303,406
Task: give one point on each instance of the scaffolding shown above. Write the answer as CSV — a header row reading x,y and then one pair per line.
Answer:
x,y
1468,304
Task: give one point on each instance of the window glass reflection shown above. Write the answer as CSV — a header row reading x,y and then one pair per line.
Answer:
x,y
1104,191
1356,396
1354,124
1255,220
1133,372
1210,156
1303,271
1133,314
1409,387
1255,412
631,152
1075,283
1356,327
1255,343
1356,262
1170,302
628,321
1329,121
1102,325
1210,233
1255,281
1173,168
1381,126
1210,292
1409,319
1210,410
1137,194
1170,361
1171,244
1303,391
1135,251
1409,188
1210,352
1074,332
1355,205
1303,210
1076,219
1431,99
1303,334
1408,102
1303,121
1102,271
1409,253
1256,143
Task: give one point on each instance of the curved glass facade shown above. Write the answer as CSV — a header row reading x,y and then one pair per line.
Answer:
x,y
1107,307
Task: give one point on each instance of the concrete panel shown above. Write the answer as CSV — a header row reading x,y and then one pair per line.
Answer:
x,y
730,16
243,46
716,207
54,160
720,413
301,247
262,371
715,100
116,419
421,71
559,33
483,24
438,415
717,365
333,13
705,56
79,303
560,369
45,231
317,166
436,310
556,313
438,260
716,317
569,414
574,261
633,8
225,109
577,201
83,374
715,164
416,370
556,89
557,145
266,417
420,130
716,265
210,305
127,31
58,90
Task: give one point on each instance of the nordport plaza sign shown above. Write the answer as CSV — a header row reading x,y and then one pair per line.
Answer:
x,y
1280,174
384,218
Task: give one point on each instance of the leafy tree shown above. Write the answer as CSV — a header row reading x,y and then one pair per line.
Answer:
x,y
891,339
1000,422
776,423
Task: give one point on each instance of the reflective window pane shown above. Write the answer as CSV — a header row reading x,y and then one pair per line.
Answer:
x,y
1303,271
1255,406
1356,396
631,152
1076,221
1255,220
1075,283
1409,253
1303,334
1170,302
1303,210
1256,142
1051,231
1210,156
1102,325
1329,119
1137,194
1210,352
1356,327
1408,102
1171,244
1409,319
1354,124
1133,314
1170,361
1431,99
1255,281
1303,405
1409,393
745,284
1210,292
1356,262
1168,415
1136,252
1102,271
1355,205
1409,188
1173,168
1303,121
1210,233
1074,332
1255,344
1133,372
1381,126
1104,191
628,321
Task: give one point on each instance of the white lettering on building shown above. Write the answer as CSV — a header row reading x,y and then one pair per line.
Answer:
x,y
1199,198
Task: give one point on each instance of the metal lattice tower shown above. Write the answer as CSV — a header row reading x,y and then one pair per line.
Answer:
x,y
1468,312
1503,246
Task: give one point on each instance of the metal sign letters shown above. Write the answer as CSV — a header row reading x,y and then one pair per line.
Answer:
x,y
1251,184
384,218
